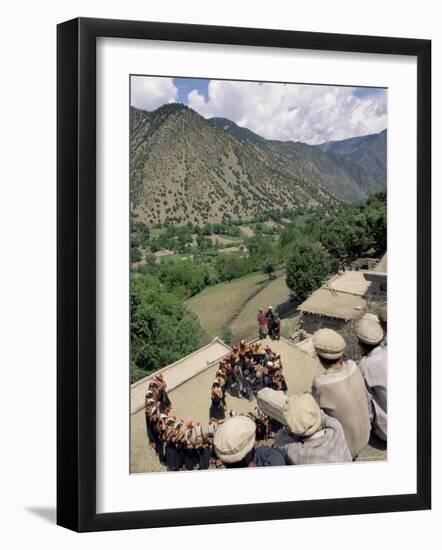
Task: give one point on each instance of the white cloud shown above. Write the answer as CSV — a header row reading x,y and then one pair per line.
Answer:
x,y
312,114
151,92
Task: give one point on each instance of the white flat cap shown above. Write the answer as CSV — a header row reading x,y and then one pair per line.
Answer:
x,y
328,343
369,332
234,439
371,316
302,415
272,403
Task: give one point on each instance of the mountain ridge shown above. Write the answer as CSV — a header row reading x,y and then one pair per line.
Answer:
x,y
184,167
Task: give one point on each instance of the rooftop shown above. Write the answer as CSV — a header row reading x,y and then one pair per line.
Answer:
x,y
179,372
338,305
344,296
191,397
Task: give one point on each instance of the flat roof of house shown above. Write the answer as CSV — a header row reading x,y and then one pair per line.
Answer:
x,y
179,372
351,282
338,305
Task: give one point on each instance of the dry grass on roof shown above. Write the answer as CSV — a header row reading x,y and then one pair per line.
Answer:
x,y
338,305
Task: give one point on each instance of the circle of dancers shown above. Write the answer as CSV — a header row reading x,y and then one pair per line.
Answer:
x,y
332,423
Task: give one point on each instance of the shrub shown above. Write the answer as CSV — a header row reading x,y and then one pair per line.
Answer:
x,y
232,266
184,278
307,268
162,329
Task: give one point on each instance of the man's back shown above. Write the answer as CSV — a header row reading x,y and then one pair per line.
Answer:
x,y
341,393
326,446
374,369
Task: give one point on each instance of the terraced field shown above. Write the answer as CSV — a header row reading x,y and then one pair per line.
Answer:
x,y
234,305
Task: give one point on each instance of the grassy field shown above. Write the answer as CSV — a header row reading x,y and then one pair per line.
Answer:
x,y
225,239
157,231
234,305
173,258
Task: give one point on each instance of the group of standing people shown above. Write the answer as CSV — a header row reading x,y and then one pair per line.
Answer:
x,y
269,323
330,424
179,446
243,373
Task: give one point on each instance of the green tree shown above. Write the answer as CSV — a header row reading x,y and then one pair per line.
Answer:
x,y
231,266
269,267
184,278
307,268
162,329
135,255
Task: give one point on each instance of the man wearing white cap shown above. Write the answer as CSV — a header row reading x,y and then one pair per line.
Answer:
x,y
341,391
234,444
311,436
374,370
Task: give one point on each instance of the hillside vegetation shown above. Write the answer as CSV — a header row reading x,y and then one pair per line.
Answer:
x,y
177,305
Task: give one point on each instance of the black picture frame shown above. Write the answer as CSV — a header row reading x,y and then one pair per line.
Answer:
x,y
77,286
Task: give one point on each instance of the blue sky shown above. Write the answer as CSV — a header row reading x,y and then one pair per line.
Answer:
x,y
186,85
297,112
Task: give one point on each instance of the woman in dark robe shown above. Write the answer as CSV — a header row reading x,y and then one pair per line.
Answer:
x,y
149,428
276,327
270,316
155,423
162,396
190,453
170,448
178,452
211,430
221,375
217,410
244,350
161,447
227,366
204,449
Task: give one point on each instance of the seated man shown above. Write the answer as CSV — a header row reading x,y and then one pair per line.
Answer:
x,y
234,444
373,366
340,391
311,436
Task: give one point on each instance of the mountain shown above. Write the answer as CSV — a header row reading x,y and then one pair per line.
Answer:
x,y
238,132
349,170
184,168
364,158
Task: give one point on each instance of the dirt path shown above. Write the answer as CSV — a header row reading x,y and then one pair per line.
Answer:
x,y
243,306
215,305
274,293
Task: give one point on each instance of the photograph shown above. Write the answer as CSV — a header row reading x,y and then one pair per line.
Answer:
x,y
258,274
